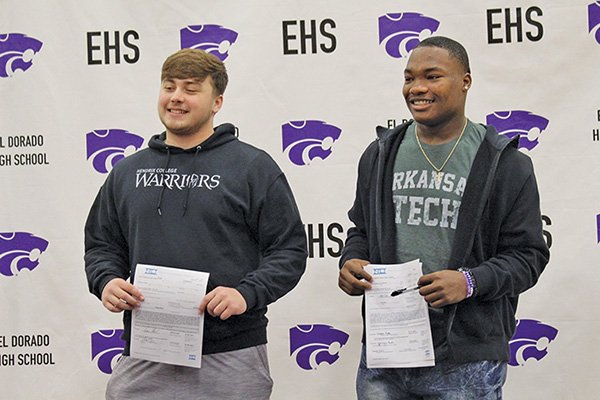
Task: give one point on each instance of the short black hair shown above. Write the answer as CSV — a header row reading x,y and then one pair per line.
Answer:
x,y
455,49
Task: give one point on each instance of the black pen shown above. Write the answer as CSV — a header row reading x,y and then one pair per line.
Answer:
x,y
404,290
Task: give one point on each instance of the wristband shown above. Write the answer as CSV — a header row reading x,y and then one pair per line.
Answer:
x,y
471,284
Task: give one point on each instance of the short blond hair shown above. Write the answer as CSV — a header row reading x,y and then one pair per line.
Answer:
x,y
195,63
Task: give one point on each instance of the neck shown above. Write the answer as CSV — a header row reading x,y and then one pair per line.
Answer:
x,y
444,133
187,141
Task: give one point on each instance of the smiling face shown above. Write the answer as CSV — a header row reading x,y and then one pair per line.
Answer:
x,y
186,107
435,87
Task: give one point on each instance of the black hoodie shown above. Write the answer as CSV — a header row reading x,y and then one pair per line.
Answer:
x,y
223,207
499,237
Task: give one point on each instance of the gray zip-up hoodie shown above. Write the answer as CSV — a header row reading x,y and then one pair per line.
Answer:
x,y
498,236
223,207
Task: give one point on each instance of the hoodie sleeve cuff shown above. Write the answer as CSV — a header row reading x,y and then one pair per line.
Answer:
x,y
103,284
249,296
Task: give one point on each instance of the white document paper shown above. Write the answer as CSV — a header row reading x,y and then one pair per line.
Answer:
x,y
167,328
398,332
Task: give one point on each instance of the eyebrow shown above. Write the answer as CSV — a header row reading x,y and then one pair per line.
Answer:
x,y
186,81
427,70
192,81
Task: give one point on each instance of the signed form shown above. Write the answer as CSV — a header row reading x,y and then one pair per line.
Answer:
x,y
167,328
397,321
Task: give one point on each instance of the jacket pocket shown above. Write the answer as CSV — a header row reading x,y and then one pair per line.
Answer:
x,y
477,321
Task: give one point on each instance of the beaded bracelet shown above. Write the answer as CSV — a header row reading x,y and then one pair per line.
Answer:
x,y
471,283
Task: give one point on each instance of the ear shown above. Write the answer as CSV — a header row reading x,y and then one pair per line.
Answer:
x,y
217,104
467,81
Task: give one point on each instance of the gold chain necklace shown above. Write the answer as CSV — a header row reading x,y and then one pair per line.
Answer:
x,y
438,171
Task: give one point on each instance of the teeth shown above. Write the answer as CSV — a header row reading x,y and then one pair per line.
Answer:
x,y
177,111
419,102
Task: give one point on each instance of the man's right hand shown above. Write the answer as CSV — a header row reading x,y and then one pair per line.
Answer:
x,y
353,278
119,295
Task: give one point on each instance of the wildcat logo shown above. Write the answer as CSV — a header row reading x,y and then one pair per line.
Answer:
x,y
213,39
531,340
16,53
19,251
594,20
312,345
107,346
306,141
107,147
402,32
526,125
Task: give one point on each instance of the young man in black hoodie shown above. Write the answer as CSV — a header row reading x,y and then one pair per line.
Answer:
x,y
412,182
197,199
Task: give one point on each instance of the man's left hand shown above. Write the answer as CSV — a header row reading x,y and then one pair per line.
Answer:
x,y
443,288
223,302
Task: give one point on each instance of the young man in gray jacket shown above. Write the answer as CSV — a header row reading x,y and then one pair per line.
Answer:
x,y
412,183
198,199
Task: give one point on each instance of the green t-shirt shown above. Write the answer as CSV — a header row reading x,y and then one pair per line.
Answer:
x,y
427,204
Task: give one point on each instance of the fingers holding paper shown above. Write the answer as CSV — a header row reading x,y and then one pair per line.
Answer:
x,y
223,302
353,279
119,295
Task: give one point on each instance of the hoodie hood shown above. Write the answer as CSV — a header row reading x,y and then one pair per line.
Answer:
x,y
499,142
384,134
222,134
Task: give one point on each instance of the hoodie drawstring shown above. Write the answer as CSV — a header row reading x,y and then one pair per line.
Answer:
x,y
162,190
189,188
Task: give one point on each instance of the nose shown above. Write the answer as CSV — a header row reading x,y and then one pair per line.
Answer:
x,y
417,87
177,95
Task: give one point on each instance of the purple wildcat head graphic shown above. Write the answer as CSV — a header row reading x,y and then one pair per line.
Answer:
x,y
402,32
594,20
19,251
305,141
527,125
531,340
16,53
213,39
106,347
106,147
316,344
